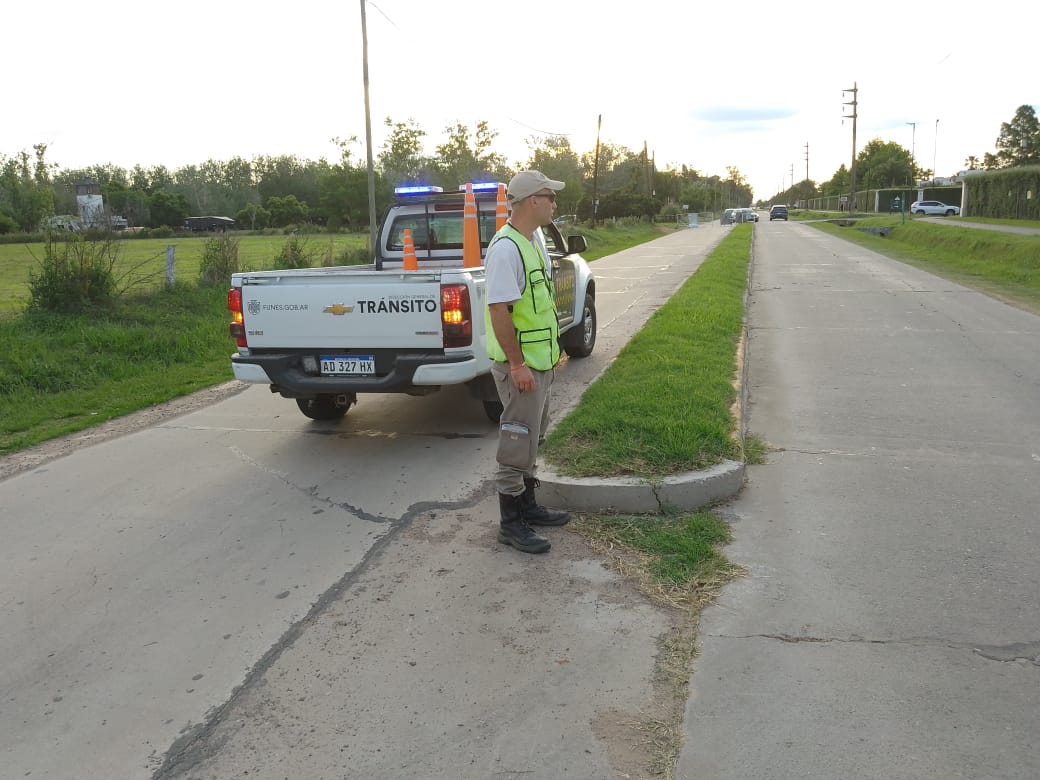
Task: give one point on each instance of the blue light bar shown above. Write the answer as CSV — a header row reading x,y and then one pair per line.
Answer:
x,y
417,189
482,186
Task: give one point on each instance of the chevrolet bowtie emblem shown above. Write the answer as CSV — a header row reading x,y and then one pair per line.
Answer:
x,y
337,309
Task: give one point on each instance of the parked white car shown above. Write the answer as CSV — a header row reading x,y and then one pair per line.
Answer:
x,y
934,208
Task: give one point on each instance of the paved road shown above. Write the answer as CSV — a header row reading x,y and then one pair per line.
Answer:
x,y
241,589
889,625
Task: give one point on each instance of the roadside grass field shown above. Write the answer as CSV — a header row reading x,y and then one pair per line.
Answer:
x,y
145,260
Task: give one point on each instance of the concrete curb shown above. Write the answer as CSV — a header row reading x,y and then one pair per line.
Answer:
x,y
688,492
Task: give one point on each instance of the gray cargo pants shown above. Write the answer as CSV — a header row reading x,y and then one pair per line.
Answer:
x,y
523,423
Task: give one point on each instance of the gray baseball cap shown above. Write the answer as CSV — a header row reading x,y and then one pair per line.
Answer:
x,y
527,183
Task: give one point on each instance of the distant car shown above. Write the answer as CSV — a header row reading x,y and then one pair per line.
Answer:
x,y
750,215
934,208
729,216
778,212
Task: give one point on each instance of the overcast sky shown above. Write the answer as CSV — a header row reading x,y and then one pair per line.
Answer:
x,y
746,84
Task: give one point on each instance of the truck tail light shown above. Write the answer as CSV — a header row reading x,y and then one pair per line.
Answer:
x,y
456,315
237,327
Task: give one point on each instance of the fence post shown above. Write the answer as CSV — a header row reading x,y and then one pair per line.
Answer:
x,y
171,263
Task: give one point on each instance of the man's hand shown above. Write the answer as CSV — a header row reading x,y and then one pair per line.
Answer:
x,y
523,378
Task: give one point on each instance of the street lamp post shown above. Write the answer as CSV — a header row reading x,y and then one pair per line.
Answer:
x,y
935,152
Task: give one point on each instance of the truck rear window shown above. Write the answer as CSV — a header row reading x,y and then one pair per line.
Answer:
x,y
437,230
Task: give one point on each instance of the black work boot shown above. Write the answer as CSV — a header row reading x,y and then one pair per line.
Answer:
x,y
535,514
514,530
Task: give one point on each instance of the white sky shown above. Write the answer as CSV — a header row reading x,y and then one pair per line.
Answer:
x,y
746,84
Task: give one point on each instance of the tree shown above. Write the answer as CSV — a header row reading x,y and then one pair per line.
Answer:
x,y
457,162
24,199
1019,141
288,175
972,163
554,157
169,209
254,216
881,165
287,211
839,184
343,191
402,160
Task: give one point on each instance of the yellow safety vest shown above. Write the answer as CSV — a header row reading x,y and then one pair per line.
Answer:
x,y
534,315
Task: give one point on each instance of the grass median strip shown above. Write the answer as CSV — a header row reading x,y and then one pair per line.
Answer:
x,y
665,404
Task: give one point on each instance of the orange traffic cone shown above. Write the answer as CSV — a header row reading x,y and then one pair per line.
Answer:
x,y
410,263
470,231
501,208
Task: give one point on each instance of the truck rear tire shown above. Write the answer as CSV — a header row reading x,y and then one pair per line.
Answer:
x,y
579,341
493,409
325,407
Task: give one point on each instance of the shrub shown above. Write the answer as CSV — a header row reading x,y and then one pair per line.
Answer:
x,y
219,260
75,274
358,256
295,253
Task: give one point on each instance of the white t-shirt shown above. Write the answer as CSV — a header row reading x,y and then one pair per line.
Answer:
x,y
504,269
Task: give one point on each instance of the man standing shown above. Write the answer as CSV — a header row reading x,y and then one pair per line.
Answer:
x,y
523,343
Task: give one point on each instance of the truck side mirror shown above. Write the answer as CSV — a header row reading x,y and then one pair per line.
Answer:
x,y
576,245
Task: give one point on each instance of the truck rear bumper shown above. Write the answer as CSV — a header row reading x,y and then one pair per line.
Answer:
x,y
245,372
285,374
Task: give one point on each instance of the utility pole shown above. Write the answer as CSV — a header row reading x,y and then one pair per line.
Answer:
x,y
595,171
368,137
807,161
935,151
852,171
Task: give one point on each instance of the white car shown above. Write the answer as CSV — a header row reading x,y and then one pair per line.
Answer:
x,y
934,208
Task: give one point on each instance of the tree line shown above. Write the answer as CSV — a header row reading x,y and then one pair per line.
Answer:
x,y
884,165
275,192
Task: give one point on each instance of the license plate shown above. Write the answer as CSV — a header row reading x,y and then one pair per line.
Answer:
x,y
339,365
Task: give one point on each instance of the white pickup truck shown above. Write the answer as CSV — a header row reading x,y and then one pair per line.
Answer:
x,y
321,336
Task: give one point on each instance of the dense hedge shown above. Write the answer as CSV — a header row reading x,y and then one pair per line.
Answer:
x,y
1008,193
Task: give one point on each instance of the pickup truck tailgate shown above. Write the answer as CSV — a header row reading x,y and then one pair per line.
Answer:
x,y
355,310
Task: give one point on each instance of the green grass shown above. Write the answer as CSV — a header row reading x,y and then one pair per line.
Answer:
x,y
147,257
686,353
61,373
683,548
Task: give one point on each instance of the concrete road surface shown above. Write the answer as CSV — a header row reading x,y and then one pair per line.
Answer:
x,y
889,624
332,594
